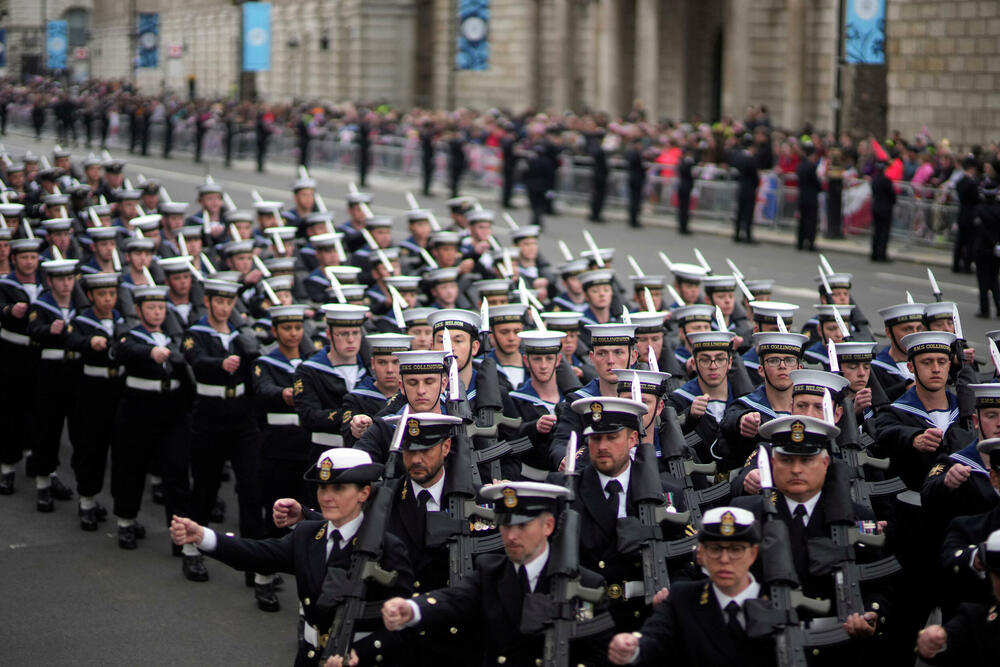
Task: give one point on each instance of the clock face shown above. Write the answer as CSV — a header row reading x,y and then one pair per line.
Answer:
x,y
147,40
866,9
474,28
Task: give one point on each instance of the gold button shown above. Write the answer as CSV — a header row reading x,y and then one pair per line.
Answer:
x,y
815,651
377,643
423,632
875,606
415,595
432,601
306,602
637,635
600,564
637,614
501,659
538,662
416,584
956,568
958,553
453,630
311,654
378,658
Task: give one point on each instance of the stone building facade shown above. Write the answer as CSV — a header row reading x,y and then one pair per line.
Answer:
x,y
680,58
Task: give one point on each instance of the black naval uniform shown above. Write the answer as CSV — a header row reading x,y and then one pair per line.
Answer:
x,y
222,424
319,397
302,552
364,399
20,363
690,628
91,423
962,583
58,371
973,637
153,421
284,444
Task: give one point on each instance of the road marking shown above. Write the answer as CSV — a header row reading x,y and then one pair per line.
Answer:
x,y
800,292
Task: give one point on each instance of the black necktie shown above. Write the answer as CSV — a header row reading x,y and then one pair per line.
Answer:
x,y
335,540
732,611
423,498
613,489
797,530
522,576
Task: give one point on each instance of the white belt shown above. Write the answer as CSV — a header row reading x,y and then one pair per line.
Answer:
x,y
146,384
328,439
282,419
14,337
55,354
219,391
310,633
102,371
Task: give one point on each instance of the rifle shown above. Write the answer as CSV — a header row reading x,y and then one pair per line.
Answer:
x,y
855,456
965,375
680,466
835,555
737,376
778,615
458,405
346,590
556,613
453,527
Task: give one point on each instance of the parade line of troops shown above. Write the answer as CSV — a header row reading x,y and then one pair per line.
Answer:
x,y
465,454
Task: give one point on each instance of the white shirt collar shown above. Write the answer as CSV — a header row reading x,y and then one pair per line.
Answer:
x,y
748,593
623,479
436,489
810,506
348,530
534,568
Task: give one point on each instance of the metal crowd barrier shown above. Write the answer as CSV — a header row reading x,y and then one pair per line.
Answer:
x,y
922,215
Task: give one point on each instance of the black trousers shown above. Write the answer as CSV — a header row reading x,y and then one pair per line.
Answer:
x,y
211,447
261,152
455,177
598,194
634,202
683,207
427,169
507,187
199,137
808,221
745,203
91,429
961,259
146,426
17,395
881,224
168,140
51,410
536,197
986,276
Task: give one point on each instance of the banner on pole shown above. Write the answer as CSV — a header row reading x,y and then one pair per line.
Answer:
x,y
3,47
864,32
55,44
256,36
473,51
149,40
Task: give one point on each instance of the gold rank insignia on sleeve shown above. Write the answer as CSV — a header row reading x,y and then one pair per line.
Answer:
x,y
256,371
690,530
347,416
704,596
402,494
317,344
297,387
69,328
188,343
993,614
936,470
32,316
321,533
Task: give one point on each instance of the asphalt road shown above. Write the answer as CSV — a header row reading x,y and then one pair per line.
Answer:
x,y
69,597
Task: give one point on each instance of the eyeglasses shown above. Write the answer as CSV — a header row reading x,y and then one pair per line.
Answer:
x,y
775,362
710,362
715,550
346,335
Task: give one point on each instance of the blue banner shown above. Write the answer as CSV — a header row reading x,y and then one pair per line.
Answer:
x,y
55,44
149,40
3,47
864,32
256,36
473,52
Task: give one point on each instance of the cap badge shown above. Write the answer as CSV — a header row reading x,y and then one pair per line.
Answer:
x,y
596,410
727,525
325,466
509,498
798,432
413,427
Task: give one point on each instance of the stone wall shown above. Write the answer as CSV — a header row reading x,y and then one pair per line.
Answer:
x,y
944,69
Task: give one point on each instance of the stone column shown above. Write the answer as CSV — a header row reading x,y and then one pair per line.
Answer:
x,y
647,55
562,35
736,57
795,64
609,58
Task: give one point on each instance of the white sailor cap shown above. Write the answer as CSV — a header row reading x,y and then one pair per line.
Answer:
x,y
238,215
289,313
378,222
696,312
648,321
418,214
824,311
729,524
99,280
855,351
280,283
573,267
611,334
25,245
768,312
60,267
455,318
416,317
388,343
178,264
942,310
525,232
568,320
492,287
460,204
147,223
774,342
343,465
139,244
280,264
11,210
353,292
923,342
990,551
403,283
319,218
809,381
480,215
717,283
419,362
902,313
304,184
516,503
57,224
445,237
688,273
652,281
760,287
705,341
325,241
607,254
216,287
835,280
541,342
144,293
355,198
598,277
650,382
172,207
209,188
267,206
448,274
344,314
987,394
227,275
238,247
